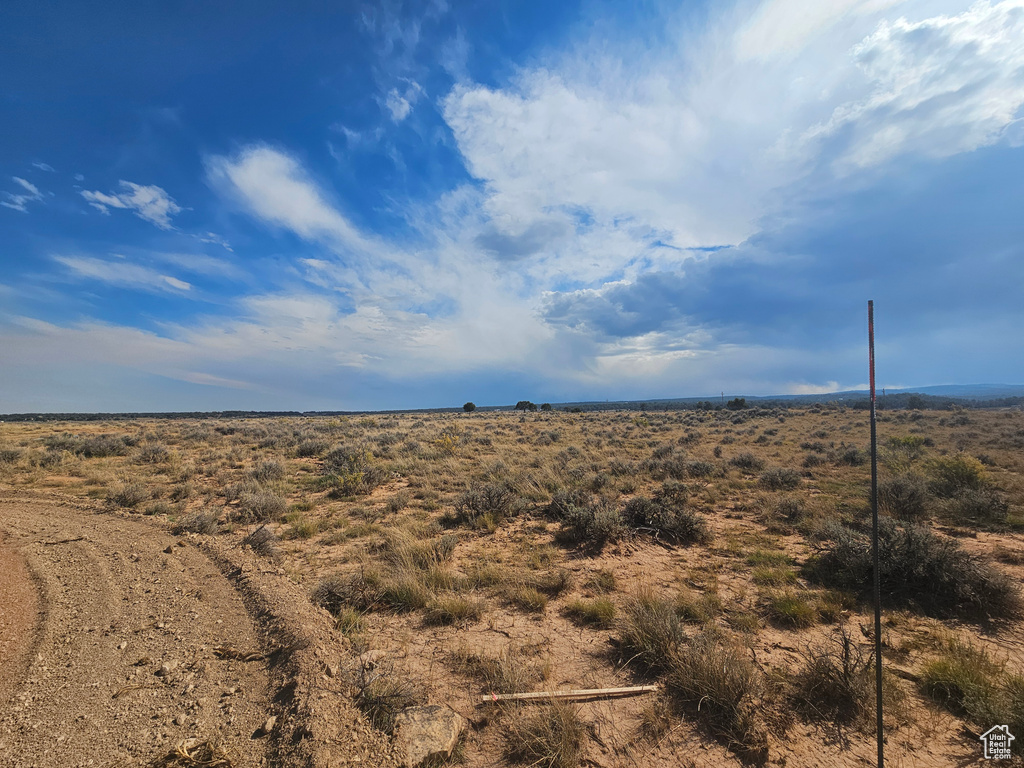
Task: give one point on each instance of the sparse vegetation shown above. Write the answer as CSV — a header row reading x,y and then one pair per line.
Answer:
x,y
918,569
544,532
551,736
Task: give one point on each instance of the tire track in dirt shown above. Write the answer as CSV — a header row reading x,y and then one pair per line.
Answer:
x,y
147,639
123,664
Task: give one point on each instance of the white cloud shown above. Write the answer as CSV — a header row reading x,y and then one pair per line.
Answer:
x,y
44,167
274,187
941,86
123,273
397,105
150,203
19,201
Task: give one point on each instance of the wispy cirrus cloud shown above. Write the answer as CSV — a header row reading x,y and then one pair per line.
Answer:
x,y
274,187
150,203
120,272
18,201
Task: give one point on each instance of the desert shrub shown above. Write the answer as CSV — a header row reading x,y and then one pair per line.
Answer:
x,y
904,496
505,673
812,460
397,502
9,455
550,736
349,622
182,491
382,694
152,453
258,506
301,527
698,610
836,684
196,522
698,468
351,471
311,446
666,519
981,507
602,580
127,493
594,524
262,541
714,682
968,682
486,506
788,609
333,593
772,576
748,462
599,612
452,609
650,632
528,598
851,456
779,479
101,446
918,569
267,472
951,475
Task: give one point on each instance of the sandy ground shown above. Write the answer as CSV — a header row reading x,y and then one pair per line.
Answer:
x,y
144,640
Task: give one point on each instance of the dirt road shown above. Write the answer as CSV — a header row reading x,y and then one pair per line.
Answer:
x,y
145,640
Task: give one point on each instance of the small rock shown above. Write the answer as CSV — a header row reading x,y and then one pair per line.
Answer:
x,y
179,720
166,668
122,645
428,733
169,549
269,725
333,670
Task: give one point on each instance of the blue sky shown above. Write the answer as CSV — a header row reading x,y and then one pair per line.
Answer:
x,y
410,205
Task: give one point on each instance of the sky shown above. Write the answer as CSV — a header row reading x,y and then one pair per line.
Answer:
x,y
362,206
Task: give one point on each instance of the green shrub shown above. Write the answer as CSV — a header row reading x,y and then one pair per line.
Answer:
x,y
789,609
950,475
452,609
979,507
904,497
748,462
528,598
486,506
594,524
127,493
918,570
968,682
779,479
594,613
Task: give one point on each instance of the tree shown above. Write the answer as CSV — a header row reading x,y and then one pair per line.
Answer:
x,y
545,406
469,407
525,405
737,404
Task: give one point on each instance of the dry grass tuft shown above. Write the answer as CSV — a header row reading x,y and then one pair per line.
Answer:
x,y
550,736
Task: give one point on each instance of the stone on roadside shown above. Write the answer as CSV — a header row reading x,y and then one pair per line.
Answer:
x,y
428,733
